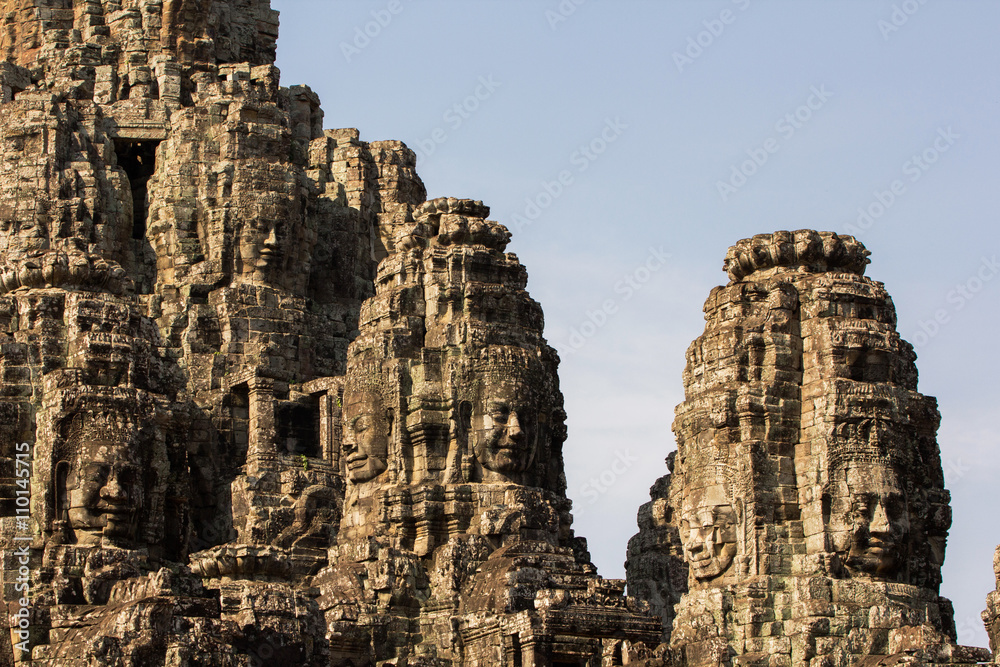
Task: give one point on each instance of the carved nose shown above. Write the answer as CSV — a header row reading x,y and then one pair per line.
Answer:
x,y
700,539
880,521
113,490
271,240
693,542
514,427
350,443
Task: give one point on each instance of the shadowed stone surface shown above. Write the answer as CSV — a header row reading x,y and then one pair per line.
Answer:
x,y
655,568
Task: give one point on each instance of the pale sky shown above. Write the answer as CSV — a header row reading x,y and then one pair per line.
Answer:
x,y
613,138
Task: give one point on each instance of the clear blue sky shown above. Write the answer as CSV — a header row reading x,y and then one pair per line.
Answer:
x,y
834,99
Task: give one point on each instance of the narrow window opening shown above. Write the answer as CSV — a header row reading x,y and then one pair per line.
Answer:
x,y
138,159
62,496
298,426
239,407
515,650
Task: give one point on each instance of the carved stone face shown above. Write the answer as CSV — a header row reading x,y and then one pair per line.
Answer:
x,y
260,253
20,236
708,532
504,427
105,494
879,522
274,244
366,435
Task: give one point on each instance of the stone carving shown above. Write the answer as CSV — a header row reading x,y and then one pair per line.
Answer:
x,y
102,494
53,268
873,522
807,482
506,414
452,438
254,442
709,531
655,568
282,410
368,427
158,351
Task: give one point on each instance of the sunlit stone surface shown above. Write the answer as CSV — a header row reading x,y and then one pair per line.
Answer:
x,y
807,492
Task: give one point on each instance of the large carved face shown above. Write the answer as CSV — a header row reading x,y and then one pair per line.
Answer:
x,y
708,532
259,253
367,427
878,522
505,426
104,494
274,245
18,236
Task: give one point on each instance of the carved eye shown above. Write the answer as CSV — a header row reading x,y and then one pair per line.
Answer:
x,y
722,519
97,472
500,412
362,424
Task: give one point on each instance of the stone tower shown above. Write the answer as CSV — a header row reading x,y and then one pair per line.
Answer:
x,y
807,491
452,432
228,434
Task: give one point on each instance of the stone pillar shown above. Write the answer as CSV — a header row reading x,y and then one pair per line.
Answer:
x,y
168,80
327,424
262,432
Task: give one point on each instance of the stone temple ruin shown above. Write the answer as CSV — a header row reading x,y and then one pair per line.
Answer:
x,y
262,404
806,496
